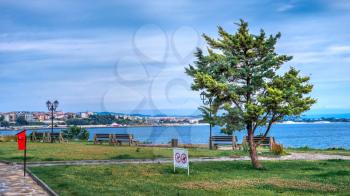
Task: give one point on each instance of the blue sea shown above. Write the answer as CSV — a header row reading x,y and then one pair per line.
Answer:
x,y
315,135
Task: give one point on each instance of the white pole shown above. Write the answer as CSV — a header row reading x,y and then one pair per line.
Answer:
x,y
174,159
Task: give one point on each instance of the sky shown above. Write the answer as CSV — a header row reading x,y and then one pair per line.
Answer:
x,y
129,56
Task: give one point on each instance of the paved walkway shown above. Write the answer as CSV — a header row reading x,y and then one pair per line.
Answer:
x,y
12,182
292,156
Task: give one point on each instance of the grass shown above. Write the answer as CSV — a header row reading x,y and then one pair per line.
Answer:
x,y
88,151
207,178
331,151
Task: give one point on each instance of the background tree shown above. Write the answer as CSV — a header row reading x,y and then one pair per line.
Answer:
x,y
75,132
3,122
21,121
239,73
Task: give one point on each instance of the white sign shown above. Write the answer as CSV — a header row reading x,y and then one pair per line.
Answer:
x,y
180,157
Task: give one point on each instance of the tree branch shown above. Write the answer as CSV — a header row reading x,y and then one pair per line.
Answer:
x,y
267,130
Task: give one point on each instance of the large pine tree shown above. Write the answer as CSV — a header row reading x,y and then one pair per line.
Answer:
x,y
239,74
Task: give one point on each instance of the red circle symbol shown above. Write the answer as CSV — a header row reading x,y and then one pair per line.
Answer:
x,y
183,158
177,157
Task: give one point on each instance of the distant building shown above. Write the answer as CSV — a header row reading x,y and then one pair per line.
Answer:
x,y
194,120
41,116
10,117
86,114
29,117
59,115
70,115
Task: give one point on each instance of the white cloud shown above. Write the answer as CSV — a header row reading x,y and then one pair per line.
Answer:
x,y
339,49
285,7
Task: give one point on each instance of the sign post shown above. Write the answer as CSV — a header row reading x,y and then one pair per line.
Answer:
x,y
22,145
180,157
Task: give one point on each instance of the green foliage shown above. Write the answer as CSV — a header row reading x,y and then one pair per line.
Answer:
x,y
245,146
239,72
105,119
84,134
4,124
75,121
277,149
74,132
21,121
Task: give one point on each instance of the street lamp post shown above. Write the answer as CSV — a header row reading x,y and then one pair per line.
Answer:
x,y
208,101
52,106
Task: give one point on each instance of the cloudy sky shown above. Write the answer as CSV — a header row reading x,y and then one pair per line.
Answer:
x,y
130,56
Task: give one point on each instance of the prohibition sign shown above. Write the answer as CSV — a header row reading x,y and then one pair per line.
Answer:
x,y
183,158
178,157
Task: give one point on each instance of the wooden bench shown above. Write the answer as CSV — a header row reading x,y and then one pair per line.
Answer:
x,y
56,137
215,140
39,136
119,138
99,138
267,141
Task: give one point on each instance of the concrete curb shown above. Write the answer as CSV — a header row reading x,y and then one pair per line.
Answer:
x,y
98,162
41,183
7,162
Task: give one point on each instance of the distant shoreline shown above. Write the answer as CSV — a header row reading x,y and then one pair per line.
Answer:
x,y
98,126
163,125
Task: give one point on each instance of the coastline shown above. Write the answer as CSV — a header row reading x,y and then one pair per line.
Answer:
x,y
98,126
16,128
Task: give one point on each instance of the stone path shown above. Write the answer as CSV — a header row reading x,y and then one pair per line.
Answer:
x,y
292,156
12,182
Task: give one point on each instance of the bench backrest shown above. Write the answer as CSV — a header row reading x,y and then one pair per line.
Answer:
x,y
98,135
266,140
222,138
227,138
38,134
123,136
55,134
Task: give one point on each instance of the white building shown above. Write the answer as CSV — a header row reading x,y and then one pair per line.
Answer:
x,y
29,117
10,117
86,114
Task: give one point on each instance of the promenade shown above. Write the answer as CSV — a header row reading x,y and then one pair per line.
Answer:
x,y
12,182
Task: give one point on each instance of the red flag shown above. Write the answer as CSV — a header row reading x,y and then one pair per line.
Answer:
x,y
21,140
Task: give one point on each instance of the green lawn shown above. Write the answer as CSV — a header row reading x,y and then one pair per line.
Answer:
x,y
323,151
207,178
89,151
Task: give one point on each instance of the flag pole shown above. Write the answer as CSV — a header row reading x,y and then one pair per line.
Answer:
x,y
25,157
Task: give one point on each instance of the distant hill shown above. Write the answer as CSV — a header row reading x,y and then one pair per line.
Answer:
x,y
318,116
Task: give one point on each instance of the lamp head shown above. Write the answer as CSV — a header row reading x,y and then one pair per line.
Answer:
x,y
55,103
48,104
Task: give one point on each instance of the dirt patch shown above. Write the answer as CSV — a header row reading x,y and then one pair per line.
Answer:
x,y
300,185
219,185
246,183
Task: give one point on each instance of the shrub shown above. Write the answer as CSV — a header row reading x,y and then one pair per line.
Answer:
x,y
277,149
336,148
84,134
75,132
245,146
8,138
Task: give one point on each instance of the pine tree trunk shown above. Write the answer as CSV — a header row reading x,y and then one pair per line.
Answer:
x,y
252,151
